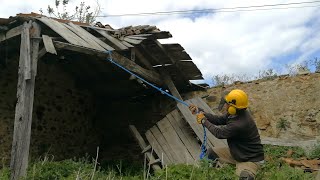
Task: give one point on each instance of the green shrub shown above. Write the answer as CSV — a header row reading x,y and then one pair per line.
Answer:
x,y
283,124
315,152
4,173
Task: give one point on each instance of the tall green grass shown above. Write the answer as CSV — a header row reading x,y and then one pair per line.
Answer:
x,y
45,169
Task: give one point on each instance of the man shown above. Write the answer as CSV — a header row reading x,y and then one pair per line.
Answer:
x,y
238,127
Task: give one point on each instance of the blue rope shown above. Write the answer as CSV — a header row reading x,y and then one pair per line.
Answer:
x,y
203,145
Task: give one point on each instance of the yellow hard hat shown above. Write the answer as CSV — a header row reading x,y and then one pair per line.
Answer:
x,y
237,98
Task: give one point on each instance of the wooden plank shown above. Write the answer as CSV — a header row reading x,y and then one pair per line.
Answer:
x,y
143,145
24,106
164,144
48,44
27,53
191,119
142,59
137,37
42,52
146,149
64,32
113,41
14,32
100,42
132,41
2,37
127,44
174,141
182,130
157,148
168,81
215,141
85,35
149,75
11,33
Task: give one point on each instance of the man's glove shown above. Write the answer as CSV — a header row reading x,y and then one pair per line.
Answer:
x,y
193,109
201,118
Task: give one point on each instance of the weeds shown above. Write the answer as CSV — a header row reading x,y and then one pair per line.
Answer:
x,y
283,124
82,169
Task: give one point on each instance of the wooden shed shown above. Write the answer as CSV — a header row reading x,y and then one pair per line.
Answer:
x,y
60,93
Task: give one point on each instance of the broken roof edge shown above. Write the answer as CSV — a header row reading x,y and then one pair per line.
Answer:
x,y
130,35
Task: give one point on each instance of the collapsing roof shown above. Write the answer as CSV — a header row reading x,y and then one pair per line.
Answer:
x,y
135,47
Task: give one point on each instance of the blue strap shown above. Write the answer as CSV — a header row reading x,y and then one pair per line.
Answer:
x,y
203,145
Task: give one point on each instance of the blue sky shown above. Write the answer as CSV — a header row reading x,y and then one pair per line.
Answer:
x,y
228,43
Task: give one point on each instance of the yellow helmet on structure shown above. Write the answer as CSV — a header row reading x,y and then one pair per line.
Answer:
x,y
237,99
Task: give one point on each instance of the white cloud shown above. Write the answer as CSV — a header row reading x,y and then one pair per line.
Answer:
x,y
234,42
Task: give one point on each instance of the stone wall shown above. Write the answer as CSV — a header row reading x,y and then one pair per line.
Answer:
x,y
285,107
62,113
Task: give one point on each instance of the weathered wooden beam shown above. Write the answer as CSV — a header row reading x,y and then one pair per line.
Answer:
x,y
111,40
42,52
165,75
172,88
48,44
25,97
89,37
11,33
143,60
149,75
143,145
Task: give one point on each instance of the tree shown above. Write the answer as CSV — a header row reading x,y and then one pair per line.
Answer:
x,y
267,74
83,13
316,63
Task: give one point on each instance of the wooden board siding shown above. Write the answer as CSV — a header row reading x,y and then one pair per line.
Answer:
x,y
182,130
165,146
174,141
143,145
158,148
64,32
115,43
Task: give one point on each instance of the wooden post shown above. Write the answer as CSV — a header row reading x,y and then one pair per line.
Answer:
x,y
143,146
172,88
25,95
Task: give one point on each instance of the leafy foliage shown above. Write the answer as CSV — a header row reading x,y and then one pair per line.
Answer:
x,y
82,12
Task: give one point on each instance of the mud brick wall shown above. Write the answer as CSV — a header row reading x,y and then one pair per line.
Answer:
x,y
61,126
284,107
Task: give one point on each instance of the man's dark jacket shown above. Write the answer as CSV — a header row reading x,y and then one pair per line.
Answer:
x,y
241,133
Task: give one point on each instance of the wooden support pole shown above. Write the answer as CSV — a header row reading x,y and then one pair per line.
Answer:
x,y
143,146
172,88
25,96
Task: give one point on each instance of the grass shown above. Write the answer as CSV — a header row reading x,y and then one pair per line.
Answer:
x,y
83,169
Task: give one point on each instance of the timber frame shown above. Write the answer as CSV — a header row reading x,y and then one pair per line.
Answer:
x,y
135,48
